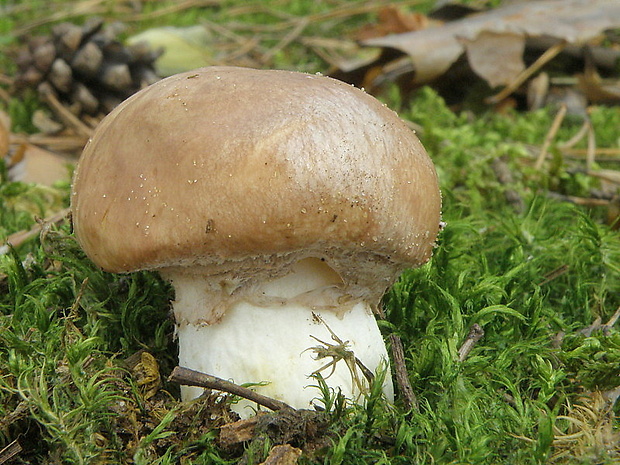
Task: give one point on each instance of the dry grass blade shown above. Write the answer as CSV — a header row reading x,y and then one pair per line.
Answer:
x,y
71,10
10,451
612,176
345,10
557,122
589,431
287,39
101,8
176,8
583,130
559,271
591,150
4,95
602,154
586,202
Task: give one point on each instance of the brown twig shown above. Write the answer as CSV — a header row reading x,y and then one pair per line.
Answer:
x,y
557,122
579,200
580,134
597,326
57,143
400,372
614,318
189,377
475,334
599,151
18,238
400,367
559,271
611,176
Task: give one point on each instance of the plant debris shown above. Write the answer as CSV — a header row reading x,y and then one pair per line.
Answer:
x,y
85,67
494,45
530,253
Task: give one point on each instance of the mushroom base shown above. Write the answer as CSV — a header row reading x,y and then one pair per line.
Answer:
x,y
285,344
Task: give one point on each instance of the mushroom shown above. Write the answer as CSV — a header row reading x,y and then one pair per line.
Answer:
x,y
280,205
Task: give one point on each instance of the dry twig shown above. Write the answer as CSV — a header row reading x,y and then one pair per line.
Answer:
x,y
597,326
188,377
608,155
400,371
18,238
475,334
559,271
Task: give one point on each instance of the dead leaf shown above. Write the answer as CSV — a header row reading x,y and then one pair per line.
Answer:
x,y
146,373
36,165
597,90
433,50
490,48
393,20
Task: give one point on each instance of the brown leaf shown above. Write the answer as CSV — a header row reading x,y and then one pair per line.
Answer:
x,y
490,48
433,50
393,20
146,374
40,166
598,91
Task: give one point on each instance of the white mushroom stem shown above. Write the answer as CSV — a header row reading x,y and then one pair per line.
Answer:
x,y
278,340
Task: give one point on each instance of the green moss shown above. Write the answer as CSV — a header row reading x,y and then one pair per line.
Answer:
x,y
532,279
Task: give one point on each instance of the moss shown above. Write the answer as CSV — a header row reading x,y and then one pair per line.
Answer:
x,y
532,279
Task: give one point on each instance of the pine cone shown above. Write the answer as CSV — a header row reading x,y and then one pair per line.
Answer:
x,y
88,69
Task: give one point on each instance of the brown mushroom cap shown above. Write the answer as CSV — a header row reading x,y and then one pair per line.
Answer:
x,y
230,168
